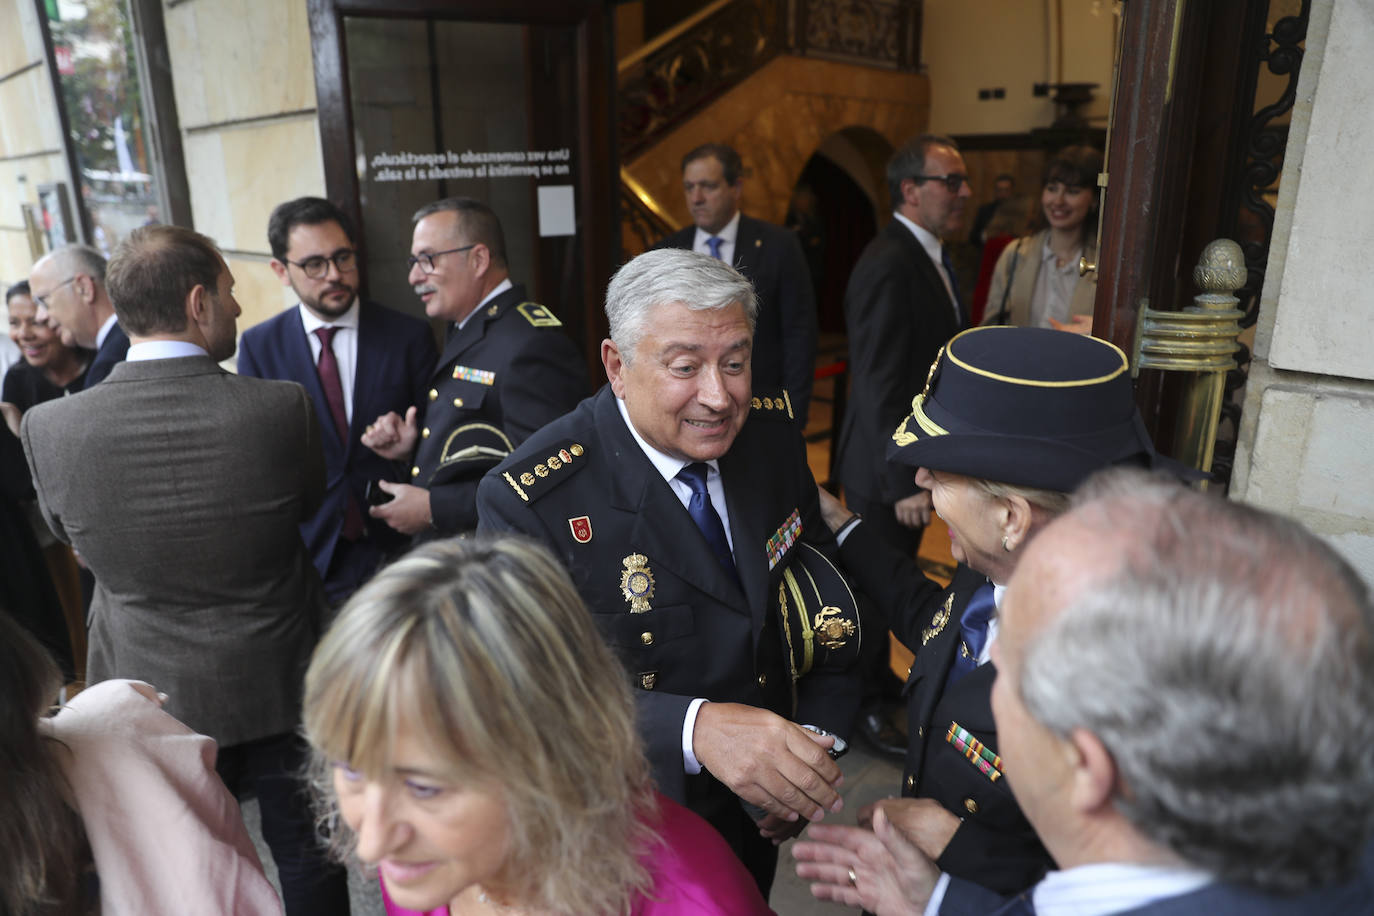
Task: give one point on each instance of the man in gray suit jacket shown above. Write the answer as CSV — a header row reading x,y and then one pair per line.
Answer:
x,y
182,486
1182,704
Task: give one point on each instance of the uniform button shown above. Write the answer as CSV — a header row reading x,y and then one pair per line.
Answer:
x,y
911,782
763,680
415,471
424,433
433,393
647,638
921,731
457,402
970,806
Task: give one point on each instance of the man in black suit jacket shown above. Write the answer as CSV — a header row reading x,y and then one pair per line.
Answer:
x,y
69,287
900,307
378,361
506,370
1182,704
770,256
694,616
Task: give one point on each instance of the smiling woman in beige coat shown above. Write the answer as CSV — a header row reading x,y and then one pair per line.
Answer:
x,y
1036,281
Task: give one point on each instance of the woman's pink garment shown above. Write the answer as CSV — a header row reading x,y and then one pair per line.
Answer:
x,y
694,874
167,837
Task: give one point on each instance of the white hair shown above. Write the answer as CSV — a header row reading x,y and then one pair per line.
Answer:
x,y
669,275
1228,666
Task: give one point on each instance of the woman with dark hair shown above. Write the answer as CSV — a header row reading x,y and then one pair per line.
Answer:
x,y
112,806
1036,281
49,368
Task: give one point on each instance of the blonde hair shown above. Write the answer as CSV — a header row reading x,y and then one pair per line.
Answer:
x,y
1051,501
487,650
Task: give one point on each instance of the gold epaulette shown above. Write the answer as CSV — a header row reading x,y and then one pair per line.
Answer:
x,y
777,404
529,485
538,315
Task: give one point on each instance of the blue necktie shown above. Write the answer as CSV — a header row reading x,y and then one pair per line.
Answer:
x,y
714,244
973,632
705,516
953,283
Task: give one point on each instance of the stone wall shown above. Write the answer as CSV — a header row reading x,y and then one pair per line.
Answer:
x,y
777,118
1307,432
31,151
245,93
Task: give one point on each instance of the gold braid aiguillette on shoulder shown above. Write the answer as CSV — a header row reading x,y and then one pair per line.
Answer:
x,y
938,622
637,582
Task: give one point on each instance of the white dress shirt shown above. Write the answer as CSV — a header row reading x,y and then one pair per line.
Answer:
x,y
931,243
1054,286
345,347
1100,889
727,235
105,330
163,349
669,467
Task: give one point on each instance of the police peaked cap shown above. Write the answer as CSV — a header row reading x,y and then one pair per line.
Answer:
x,y
1028,406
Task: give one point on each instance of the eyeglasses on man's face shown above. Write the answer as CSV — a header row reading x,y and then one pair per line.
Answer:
x,y
953,181
42,301
426,261
315,268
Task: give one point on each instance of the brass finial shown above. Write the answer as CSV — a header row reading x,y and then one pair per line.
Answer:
x,y
1221,268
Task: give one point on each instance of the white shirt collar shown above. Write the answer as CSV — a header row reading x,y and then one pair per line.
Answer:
x,y
1100,889
105,330
348,319
1048,257
163,349
929,240
497,290
727,234
666,465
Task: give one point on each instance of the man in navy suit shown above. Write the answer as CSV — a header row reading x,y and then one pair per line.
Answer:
x,y
69,287
1182,705
770,256
357,360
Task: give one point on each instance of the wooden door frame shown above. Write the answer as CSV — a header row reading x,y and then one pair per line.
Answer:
x,y
1185,87
598,235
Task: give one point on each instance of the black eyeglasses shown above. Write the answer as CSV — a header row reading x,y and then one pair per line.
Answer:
x,y
952,181
426,261
318,266
42,301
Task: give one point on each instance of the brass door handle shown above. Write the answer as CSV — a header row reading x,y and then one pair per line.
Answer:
x,y
1085,266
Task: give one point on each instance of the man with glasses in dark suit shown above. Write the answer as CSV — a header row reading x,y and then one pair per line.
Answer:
x,y
506,370
901,305
356,359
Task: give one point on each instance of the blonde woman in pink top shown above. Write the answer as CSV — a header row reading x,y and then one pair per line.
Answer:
x,y
475,741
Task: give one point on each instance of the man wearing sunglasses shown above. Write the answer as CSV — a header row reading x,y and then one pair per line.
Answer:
x,y
356,359
506,369
68,287
901,305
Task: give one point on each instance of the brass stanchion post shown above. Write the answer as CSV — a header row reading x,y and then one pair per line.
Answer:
x,y
1200,340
